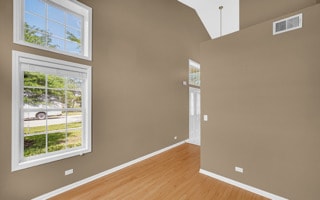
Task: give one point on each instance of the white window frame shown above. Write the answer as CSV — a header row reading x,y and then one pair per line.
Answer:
x,y
18,58
72,5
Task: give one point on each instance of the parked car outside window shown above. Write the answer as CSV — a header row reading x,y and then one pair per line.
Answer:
x,y
40,114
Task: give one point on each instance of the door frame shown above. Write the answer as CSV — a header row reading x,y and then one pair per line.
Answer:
x,y
195,135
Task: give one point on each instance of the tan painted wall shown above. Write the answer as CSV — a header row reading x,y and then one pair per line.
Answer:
x,y
140,58
257,11
262,95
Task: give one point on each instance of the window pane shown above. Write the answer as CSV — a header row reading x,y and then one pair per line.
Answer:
x,y
56,29
26,116
74,126
35,29
73,47
194,76
74,83
73,35
56,141
74,119
54,113
74,21
34,145
74,138
56,98
26,127
57,132
35,37
34,97
33,125
56,14
56,122
35,79
35,6
35,22
56,81
56,43
74,99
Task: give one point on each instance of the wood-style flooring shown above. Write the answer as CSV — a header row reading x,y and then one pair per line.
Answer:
x,y
172,175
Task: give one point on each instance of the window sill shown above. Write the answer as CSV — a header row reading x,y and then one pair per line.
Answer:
x,y
48,159
23,43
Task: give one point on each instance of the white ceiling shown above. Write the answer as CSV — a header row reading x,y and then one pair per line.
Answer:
x,y
209,13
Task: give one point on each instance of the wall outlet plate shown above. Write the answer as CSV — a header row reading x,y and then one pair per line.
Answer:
x,y
68,172
238,169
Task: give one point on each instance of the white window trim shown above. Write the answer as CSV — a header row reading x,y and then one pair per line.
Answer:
x,y
73,5
17,164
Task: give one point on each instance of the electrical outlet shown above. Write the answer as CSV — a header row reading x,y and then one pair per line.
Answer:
x,y
175,137
239,169
205,117
68,172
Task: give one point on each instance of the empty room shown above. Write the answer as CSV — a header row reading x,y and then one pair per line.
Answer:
x,y
160,99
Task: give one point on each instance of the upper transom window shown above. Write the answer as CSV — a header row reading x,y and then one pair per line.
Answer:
x,y
194,73
61,26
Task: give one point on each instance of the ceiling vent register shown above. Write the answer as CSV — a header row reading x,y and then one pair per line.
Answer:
x,y
287,24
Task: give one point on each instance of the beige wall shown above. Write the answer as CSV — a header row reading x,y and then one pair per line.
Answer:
x,y
262,94
257,11
140,58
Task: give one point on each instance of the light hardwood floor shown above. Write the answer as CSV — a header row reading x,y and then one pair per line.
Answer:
x,y
172,175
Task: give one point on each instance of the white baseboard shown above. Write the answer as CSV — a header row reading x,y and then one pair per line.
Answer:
x,y
243,186
193,141
107,172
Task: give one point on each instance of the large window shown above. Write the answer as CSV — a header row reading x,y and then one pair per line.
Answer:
x,y
62,26
51,110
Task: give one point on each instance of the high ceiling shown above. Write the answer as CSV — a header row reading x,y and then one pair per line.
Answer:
x,y
215,20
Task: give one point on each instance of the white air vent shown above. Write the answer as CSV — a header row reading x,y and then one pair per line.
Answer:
x,y
288,24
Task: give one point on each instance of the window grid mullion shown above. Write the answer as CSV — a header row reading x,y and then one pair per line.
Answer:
x,y
46,24
46,100
66,105
82,37
21,83
84,88
65,30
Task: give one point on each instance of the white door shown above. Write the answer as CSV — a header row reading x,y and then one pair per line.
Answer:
x,y
194,116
